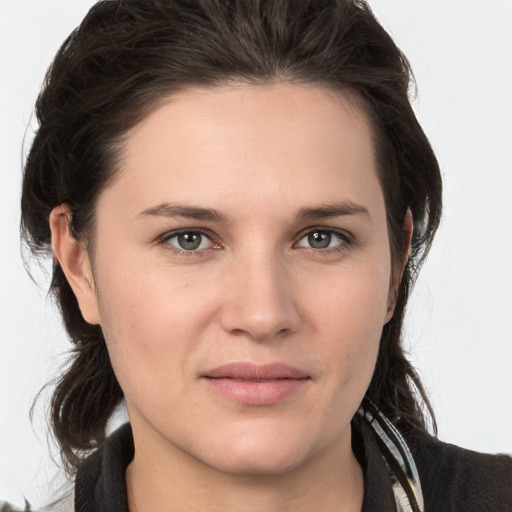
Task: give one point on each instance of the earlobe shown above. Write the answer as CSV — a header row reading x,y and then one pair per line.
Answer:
x,y
407,228
75,263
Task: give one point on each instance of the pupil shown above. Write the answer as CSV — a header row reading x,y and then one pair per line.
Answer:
x,y
319,240
189,241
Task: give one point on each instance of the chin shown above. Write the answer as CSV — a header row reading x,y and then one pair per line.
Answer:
x,y
257,464
263,453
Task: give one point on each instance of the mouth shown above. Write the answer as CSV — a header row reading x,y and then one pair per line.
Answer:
x,y
256,385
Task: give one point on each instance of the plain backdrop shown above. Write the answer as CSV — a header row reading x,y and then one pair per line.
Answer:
x,y
459,321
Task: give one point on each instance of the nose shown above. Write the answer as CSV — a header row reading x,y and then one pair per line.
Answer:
x,y
260,301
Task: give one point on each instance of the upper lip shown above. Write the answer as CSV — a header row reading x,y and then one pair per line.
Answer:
x,y
251,371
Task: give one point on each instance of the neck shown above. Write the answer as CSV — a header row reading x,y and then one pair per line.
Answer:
x,y
163,478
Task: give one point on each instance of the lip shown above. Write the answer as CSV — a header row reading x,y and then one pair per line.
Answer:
x,y
256,385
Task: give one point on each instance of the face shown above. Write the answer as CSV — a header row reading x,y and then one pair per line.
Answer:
x,y
242,274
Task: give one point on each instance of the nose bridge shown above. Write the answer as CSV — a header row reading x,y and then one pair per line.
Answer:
x,y
262,302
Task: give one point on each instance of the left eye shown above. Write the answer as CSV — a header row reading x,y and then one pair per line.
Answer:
x,y
322,239
189,241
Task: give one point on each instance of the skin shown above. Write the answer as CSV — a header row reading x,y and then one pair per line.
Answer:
x,y
256,291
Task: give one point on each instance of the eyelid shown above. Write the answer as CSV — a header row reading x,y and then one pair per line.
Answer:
x,y
176,232
343,235
164,239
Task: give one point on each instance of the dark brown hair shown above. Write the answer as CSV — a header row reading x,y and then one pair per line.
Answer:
x,y
127,56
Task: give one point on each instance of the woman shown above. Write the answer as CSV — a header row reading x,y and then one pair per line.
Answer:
x,y
238,197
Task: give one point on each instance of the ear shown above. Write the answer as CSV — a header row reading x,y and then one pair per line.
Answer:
x,y
396,279
74,261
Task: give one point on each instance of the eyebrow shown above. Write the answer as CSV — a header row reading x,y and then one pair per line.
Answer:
x,y
188,212
321,211
338,209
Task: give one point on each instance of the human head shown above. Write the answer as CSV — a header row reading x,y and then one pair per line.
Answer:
x,y
126,57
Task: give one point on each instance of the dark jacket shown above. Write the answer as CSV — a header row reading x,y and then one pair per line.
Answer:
x,y
453,479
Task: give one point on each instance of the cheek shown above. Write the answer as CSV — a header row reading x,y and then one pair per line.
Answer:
x,y
152,324
350,314
353,300
151,300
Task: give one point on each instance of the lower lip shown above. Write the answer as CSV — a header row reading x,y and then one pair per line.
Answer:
x,y
251,392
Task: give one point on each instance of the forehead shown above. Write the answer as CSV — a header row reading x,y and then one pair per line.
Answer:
x,y
243,143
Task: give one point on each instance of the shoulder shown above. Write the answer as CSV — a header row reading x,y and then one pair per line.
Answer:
x,y
457,479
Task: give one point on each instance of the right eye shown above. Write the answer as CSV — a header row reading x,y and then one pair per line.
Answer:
x,y
188,241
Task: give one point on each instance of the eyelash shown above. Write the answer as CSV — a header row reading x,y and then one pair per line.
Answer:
x,y
345,240
164,240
